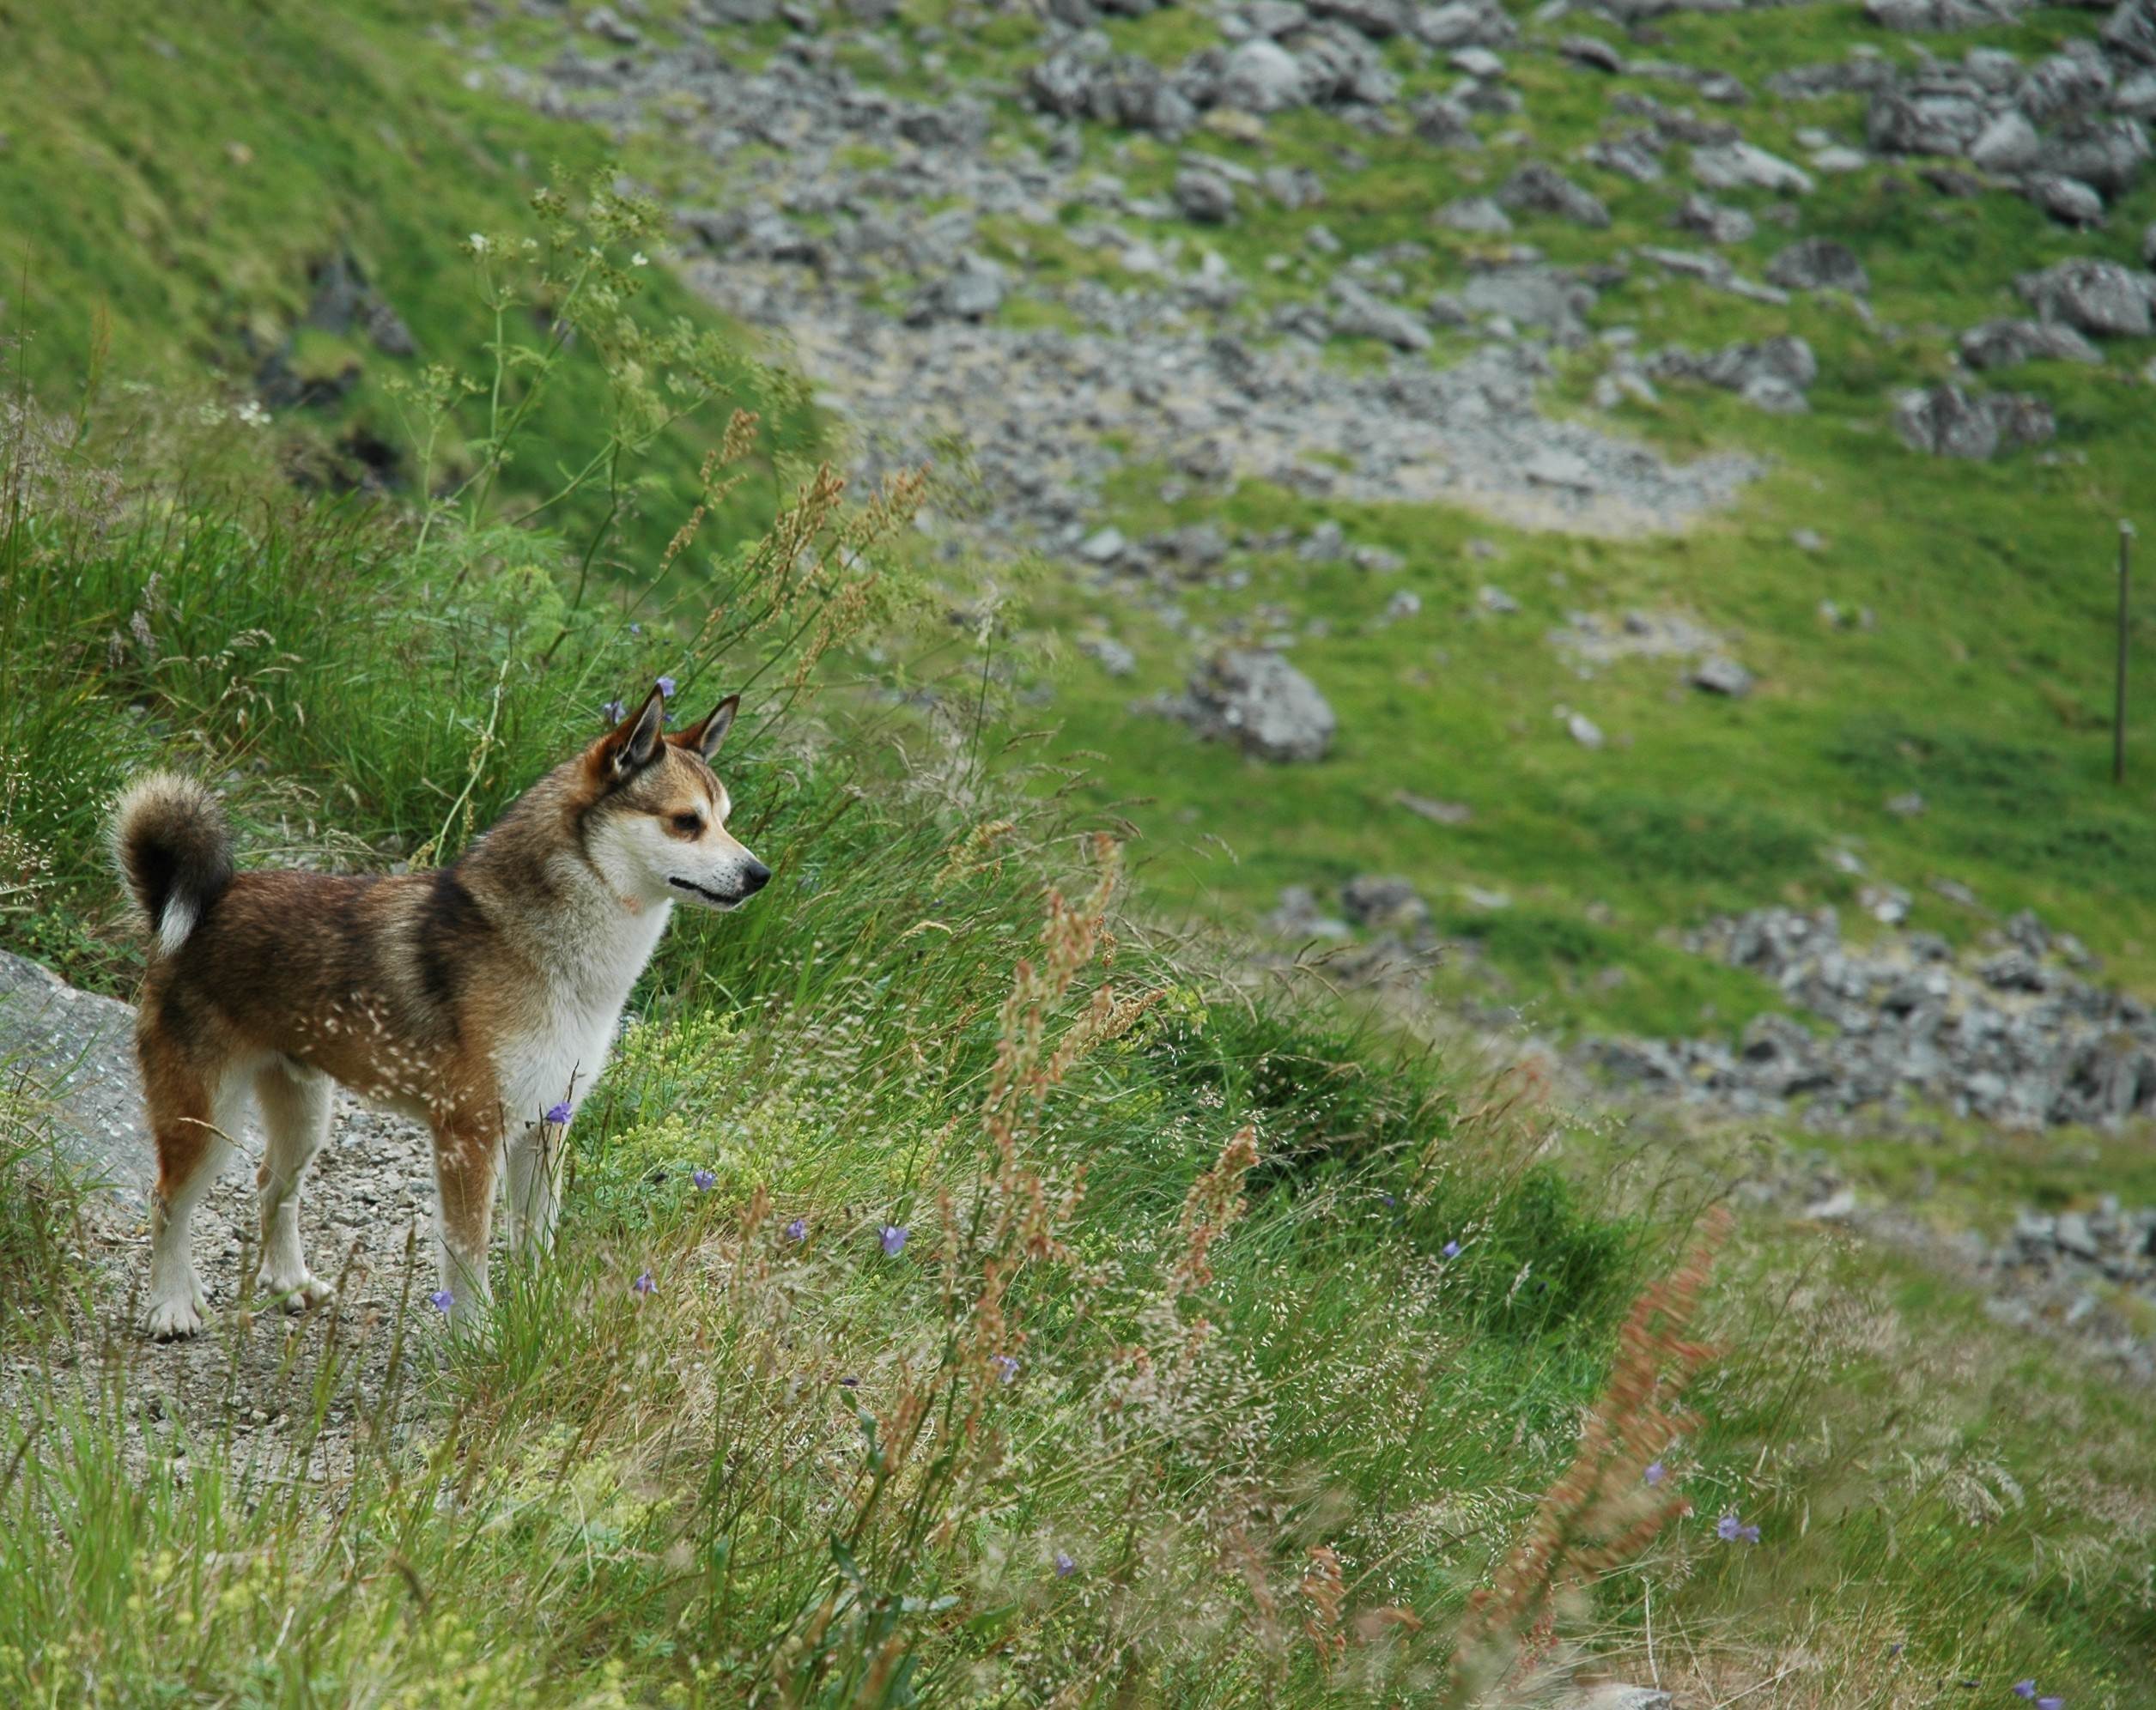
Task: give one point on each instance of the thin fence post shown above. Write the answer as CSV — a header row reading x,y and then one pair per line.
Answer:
x,y
2119,703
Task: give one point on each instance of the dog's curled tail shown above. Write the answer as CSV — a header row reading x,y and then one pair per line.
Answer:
x,y
170,843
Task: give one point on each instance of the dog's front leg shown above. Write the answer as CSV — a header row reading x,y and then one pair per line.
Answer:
x,y
464,1190
534,1198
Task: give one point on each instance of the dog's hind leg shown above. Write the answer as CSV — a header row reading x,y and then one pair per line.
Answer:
x,y
296,1118
193,1124
534,1186
464,1189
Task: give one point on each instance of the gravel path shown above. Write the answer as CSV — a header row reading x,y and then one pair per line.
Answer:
x,y
367,1216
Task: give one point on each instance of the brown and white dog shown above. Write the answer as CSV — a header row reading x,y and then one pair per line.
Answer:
x,y
475,997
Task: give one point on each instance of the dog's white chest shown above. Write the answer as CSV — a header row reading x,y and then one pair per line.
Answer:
x,y
557,1062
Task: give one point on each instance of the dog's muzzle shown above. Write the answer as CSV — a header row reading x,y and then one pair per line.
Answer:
x,y
753,877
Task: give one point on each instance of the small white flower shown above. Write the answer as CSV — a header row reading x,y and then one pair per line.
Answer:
x,y
639,259
253,414
478,243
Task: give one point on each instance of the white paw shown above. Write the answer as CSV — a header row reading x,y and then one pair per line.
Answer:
x,y
299,1292
174,1319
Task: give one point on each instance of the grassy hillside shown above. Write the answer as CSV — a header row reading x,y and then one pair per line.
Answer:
x,y
970,1291
1244,1411
180,188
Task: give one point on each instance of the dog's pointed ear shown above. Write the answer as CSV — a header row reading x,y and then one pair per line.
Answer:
x,y
631,744
704,738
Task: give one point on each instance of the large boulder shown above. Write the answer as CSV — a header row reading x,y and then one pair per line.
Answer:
x,y
2105,153
1262,76
2100,297
1772,375
1205,196
1361,315
1949,422
1541,188
72,1055
2073,82
1465,23
1713,221
1384,902
1258,701
1819,263
1532,296
1743,166
2009,144
1928,117
2130,32
2068,201
2004,343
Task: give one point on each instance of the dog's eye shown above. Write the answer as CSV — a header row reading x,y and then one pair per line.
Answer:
x,y
689,825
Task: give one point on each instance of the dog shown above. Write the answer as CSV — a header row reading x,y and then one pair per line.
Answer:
x,y
481,997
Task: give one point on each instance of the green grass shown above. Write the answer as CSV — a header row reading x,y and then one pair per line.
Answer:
x,y
1227,1360
171,194
606,1497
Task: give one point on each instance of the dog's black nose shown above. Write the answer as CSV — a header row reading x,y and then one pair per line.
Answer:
x,y
755,876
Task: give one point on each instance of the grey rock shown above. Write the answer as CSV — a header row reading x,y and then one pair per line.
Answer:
x,y
2130,32
1463,23
974,291
1584,730
1722,675
1298,916
2107,154
1205,196
1817,263
1261,76
2004,343
1360,315
2136,96
1592,51
2068,201
1293,187
1478,214
1532,296
1947,422
73,1056
1774,373
1714,222
1111,655
608,25
1637,155
387,331
1444,124
2099,297
1258,701
2074,1235
1741,166
1385,902
1103,546
2068,82
1541,188
2009,144
1942,117
1437,812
